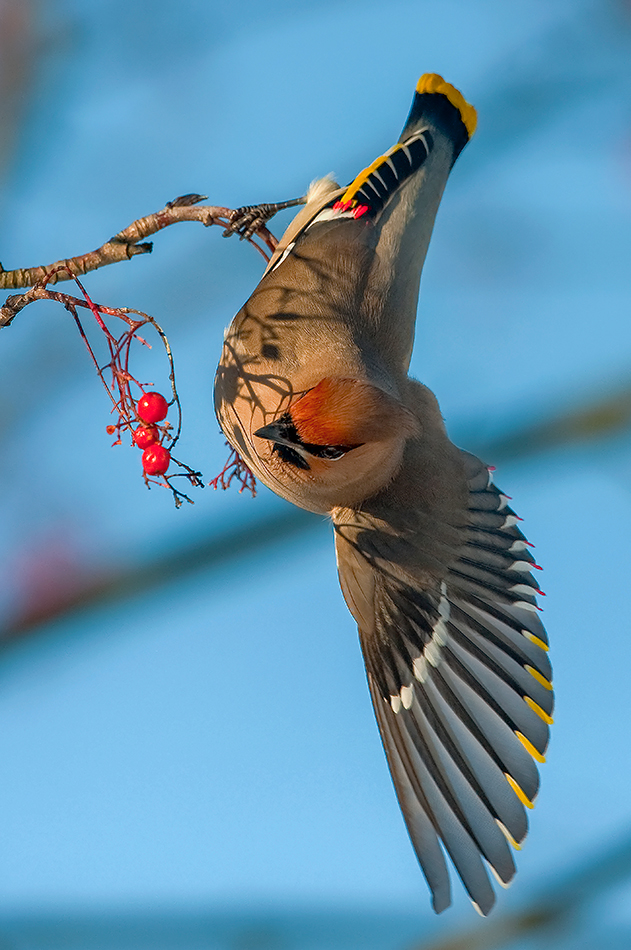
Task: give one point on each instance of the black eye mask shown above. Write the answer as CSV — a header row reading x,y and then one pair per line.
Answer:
x,y
287,442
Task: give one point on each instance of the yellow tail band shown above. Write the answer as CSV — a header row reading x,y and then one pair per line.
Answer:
x,y
433,83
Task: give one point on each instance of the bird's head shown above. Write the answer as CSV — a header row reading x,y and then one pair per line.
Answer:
x,y
342,441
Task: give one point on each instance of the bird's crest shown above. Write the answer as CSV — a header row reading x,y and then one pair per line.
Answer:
x,y
349,412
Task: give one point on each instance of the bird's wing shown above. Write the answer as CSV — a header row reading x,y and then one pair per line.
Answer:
x,y
457,664
321,192
376,230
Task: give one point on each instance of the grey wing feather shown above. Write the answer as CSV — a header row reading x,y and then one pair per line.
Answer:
x,y
414,806
460,680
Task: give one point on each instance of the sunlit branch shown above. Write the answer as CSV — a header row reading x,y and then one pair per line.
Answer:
x,y
248,222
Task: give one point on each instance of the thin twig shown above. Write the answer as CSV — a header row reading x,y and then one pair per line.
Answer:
x,y
124,402
249,222
237,468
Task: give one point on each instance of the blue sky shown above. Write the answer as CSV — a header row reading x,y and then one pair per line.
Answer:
x,y
198,744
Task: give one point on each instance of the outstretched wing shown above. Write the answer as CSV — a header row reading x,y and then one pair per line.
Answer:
x,y
456,658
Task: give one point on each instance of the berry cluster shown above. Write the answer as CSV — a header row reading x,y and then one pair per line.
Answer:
x,y
152,408
140,417
145,420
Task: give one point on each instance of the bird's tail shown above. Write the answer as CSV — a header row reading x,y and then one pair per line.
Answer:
x,y
437,107
438,102
391,207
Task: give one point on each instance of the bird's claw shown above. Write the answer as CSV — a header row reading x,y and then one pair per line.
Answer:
x,y
250,219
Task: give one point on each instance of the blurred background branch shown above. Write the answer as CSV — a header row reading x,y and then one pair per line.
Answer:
x,y
555,914
585,427
18,53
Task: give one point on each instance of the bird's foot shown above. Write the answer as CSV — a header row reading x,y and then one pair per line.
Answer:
x,y
250,219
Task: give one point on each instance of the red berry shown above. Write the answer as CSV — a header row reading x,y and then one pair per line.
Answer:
x,y
155,460
152,407
145,436
110,430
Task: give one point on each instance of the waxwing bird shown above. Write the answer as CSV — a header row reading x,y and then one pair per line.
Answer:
x,y
313,391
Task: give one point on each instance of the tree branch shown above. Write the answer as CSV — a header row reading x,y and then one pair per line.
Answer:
x,y
247,222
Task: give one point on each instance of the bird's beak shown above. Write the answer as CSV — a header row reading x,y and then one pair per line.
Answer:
x,y
275,433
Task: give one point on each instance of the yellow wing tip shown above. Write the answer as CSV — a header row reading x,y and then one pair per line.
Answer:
x,y
508,835
433,83
521,795
529,747
536,640
540,679
536,708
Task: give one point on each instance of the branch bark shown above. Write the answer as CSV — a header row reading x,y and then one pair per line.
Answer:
x,y
248,222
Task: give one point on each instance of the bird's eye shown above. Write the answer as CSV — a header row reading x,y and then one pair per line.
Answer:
x,y
331,452
328,452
